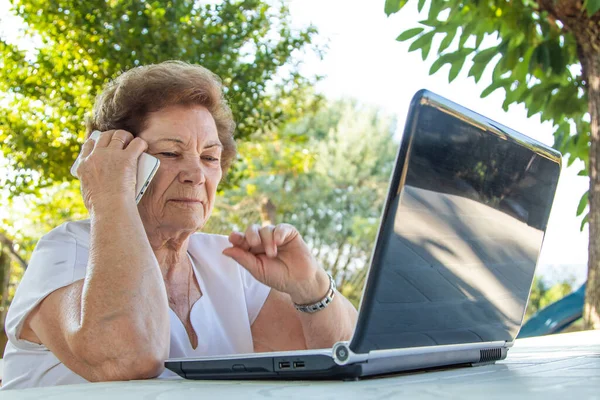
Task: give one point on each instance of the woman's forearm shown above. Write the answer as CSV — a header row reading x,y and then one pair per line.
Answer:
x,y
124,301
331,325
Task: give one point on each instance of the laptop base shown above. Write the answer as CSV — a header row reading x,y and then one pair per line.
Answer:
x,y
322,367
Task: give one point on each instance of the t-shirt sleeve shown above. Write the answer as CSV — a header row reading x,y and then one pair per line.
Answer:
x,y
58,260
256,294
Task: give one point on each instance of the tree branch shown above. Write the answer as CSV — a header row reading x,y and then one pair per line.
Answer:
x,y
11,249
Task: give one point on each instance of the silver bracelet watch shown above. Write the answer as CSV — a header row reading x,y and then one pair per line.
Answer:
x,y
321,304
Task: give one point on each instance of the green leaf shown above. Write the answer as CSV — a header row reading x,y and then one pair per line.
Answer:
x,y
479,39
522,68
540,59
455,69
516,40
477,70
393,6
439,63
447,40
592,6
420,5
584,221
425,50
561,135
583,172
557,59
423,41
583,203
543,56
509,60
485,56
433,23
408,34
457,59
435,8
466,33
494,86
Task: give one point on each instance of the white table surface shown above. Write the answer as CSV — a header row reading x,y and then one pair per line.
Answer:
x,y
565,367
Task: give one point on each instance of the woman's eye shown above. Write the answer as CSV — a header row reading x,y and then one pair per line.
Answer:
x,y
168,154
210,158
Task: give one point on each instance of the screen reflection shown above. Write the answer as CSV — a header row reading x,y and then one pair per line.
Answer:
x,y
459,244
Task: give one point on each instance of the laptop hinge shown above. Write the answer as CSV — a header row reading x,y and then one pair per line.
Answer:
x,y
343,355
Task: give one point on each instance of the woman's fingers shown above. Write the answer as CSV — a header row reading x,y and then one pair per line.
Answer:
x,y
120,139
266,239
104,139
87,148
245,259
252,236
268,242
239,240
283,234
276,256
137,146
116,138
243,252
256,240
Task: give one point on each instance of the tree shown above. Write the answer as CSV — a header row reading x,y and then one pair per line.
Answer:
x,y
546,56
46,93
327,174
81,45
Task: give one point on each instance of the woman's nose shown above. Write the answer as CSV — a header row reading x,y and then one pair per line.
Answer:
x,y
192,173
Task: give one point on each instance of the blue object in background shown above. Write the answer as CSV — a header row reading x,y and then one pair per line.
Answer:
x,y
556,317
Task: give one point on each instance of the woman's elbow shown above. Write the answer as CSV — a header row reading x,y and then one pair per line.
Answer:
x,y
126,357
125,370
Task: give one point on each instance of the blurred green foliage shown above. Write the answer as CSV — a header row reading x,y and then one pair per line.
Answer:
x,y
543,294
80,45
72,48
327,174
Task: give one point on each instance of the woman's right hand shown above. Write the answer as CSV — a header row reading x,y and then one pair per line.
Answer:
x,y
108,169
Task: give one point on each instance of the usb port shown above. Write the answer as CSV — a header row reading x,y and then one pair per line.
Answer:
x,y
298,364
284,364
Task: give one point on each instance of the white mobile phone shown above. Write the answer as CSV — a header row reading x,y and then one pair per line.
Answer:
x,y
146,169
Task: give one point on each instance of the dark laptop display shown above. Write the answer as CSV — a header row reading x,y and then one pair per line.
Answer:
x,y
462,232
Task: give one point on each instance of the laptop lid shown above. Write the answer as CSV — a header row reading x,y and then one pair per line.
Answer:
x,y
461,232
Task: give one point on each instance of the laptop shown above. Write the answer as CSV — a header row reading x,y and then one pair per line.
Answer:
x,y
454,258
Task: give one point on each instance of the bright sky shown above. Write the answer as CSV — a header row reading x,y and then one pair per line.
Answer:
x,y
366,62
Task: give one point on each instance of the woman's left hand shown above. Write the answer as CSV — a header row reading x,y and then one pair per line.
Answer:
x,y
278,257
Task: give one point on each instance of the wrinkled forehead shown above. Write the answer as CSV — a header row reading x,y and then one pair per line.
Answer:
x,y
182,126
173,140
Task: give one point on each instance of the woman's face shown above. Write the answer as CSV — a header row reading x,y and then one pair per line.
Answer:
x,y
182,194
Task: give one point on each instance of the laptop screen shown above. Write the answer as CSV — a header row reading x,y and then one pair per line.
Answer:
x,y
460,236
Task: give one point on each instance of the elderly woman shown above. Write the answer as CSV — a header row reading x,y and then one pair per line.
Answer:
x,y
112,297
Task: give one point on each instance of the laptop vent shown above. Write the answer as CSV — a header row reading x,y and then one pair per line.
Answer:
x,y
490,355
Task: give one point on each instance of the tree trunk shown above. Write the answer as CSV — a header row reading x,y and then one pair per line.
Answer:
x,y
586,30
335,266
351,256
5,268
591,66
10,246
268,212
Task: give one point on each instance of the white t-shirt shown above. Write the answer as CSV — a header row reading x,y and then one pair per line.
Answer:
x,y
231,300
